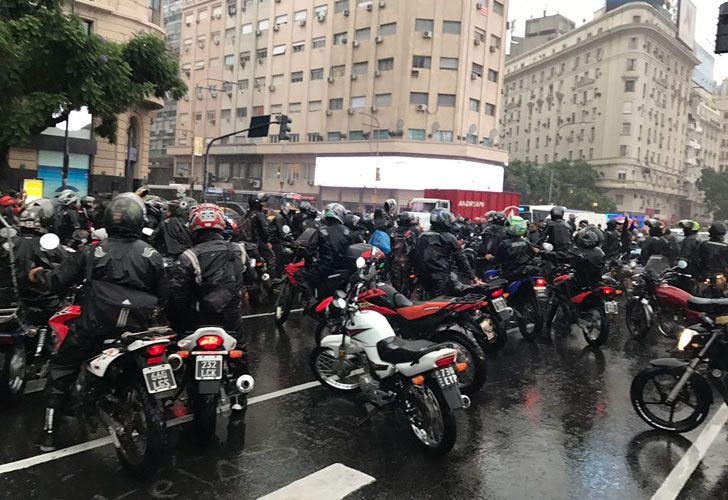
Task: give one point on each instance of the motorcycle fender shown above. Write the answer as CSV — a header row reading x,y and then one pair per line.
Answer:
x,y
333,342
426,363
668,363
208,386
98,365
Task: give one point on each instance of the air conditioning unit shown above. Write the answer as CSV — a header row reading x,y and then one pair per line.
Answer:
x,y
344,41
370,7
272,88
346,12
478,6
331,79
187,23
493,48
197,21
302,22
242,64
217,16
415,72
216,41
350,111
422,107
229,94
255,184
476,42
377,74
310,183
212,121
213,95
291,181
186,98
379,39
278,1
353,77
201,45
187,48
258,32
373,109
199,96
473,76
229,67
328,112
321,18
382,4
427,34
232,9
355,43
276,27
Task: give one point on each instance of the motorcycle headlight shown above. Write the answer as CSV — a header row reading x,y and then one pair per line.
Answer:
x,y
685,337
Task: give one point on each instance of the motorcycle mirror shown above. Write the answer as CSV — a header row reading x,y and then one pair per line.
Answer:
x,y
7,246
340,303
286,230
360,263
633,264
340,294
8,232
147,231
682,264
49,241
548,247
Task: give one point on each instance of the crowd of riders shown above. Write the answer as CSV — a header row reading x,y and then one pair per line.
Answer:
x,y
119,246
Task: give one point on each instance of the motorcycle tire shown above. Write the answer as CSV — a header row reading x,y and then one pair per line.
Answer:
x,y
556,321
527,313
322,330
204,407
696,390
138,406
13,367
668,322
322,365
489,345
428,399
473,378
283,304
637,318
596,336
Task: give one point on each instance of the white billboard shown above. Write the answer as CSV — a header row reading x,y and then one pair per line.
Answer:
x,y
407,172
686,22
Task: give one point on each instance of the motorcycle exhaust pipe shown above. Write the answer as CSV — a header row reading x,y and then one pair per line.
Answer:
x,y
175,361
265,277
245,384
465,401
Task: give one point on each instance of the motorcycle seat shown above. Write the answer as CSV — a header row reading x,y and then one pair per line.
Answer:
x,y
402,301
398,350
710,306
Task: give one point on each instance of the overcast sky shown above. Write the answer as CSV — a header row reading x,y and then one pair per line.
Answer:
x,y
581,11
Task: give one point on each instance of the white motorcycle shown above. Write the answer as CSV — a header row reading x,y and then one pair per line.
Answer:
x,y
416,377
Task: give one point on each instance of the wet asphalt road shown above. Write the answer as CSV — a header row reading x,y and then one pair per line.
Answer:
x,y
553,421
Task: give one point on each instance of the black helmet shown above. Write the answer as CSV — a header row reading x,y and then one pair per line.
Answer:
x,y
717,230
37,215
441,218
557,213
351,221
587,238
406,219
612,224
88,201
335,211
657,228
390,206
255,204
184,206
124,215
303,207
499,218
311,212
67,197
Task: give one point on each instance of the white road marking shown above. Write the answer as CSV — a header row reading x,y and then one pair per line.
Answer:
x,y
331,483
262,315
97,443
678,477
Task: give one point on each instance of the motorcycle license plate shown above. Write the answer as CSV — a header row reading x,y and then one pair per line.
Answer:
x,y
499,304
159,378
540,292
208,367
446,377
611,307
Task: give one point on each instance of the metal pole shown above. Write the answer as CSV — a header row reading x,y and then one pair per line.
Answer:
x,y
66,155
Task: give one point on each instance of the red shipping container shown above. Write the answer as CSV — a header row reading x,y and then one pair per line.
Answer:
x,y
473,204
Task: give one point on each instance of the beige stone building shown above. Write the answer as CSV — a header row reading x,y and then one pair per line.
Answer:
x,y
358,77
615,92
95,164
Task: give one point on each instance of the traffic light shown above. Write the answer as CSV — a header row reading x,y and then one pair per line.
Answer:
x,y
721,36
285,124
211,178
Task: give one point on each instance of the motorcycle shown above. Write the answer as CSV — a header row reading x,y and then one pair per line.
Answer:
x,y
675,395
203,361
256,277
525,296
418,378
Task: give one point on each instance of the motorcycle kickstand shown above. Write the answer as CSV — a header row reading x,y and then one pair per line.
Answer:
x,y
370,413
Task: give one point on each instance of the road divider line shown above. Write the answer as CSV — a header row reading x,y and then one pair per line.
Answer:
x,y
97,443
263,315
330,483
679,476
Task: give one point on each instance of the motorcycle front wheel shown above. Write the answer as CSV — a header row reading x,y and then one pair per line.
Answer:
x,y
13,367
638,318
143,437
649,392
283,304
595,325
339,376
430,419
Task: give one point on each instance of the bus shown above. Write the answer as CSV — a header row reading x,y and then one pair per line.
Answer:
x,y
537,213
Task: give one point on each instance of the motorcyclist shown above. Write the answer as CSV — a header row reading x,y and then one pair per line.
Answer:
x,y
87,212
572,222
206,282
390,210
284,218
66,220
494,234
298,217
515,253
310,219
404,241
586,259
436,251
673,246
713,253
351,221
121,270
381,220
259,233
331,244
557,232
172,237
611,244
689,248
654,249
534,233
11,205
156,208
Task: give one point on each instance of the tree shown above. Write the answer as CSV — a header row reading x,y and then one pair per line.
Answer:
x,y
715,186
51,66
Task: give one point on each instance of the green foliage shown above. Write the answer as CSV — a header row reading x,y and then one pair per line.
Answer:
x,y
574,184
50,65
715,186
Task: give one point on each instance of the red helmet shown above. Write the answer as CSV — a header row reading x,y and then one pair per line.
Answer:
x,y
207,216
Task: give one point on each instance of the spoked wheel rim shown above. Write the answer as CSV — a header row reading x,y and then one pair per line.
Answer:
x,y
637,321
592,324
133,438
653,400
667,325
426,416
326,367
16,370
466,377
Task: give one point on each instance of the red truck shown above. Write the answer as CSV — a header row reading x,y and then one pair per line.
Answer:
x,y
469,204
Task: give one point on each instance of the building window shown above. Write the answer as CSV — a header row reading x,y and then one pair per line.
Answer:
x,y
297,77
229,60
498,8
622,175
623,150
318,43
629,85
449,63
359,102
388,29
246,29
282,19
317,74
276,109
446,100
475,105
263,24
356,135
333,136
362,34
241,112
626,128
381,134
385,64
492,75
421,61
298,46
451,27
495,41
200,65
276,80
261,53
314,105
416,134
633,42
279,50
443,136
360,68
321,10
339,38
477,70
631,64
419,98
294,107
341,5
489,109
337,70
315,137
422,25
258,110
383,100
244,57
335,104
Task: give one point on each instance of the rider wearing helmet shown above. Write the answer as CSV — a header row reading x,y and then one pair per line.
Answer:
x,y
66,219
298,218
557,231
404,241
155,210
572,222
611,244
689,248
256,230
587,260
172,237
124,281
515,253
494,233
714,252
435,252
654,244
87,212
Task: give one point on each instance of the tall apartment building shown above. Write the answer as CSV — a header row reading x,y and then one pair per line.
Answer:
x,y
615,92
539,31
359,77
96,164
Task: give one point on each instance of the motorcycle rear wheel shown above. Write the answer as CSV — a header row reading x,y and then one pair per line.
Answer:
x,y
430,419
596,330
13,367
637,318
204,407
528,318
473,378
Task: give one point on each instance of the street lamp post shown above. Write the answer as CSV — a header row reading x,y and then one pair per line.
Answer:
x,y
556,141
376,138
